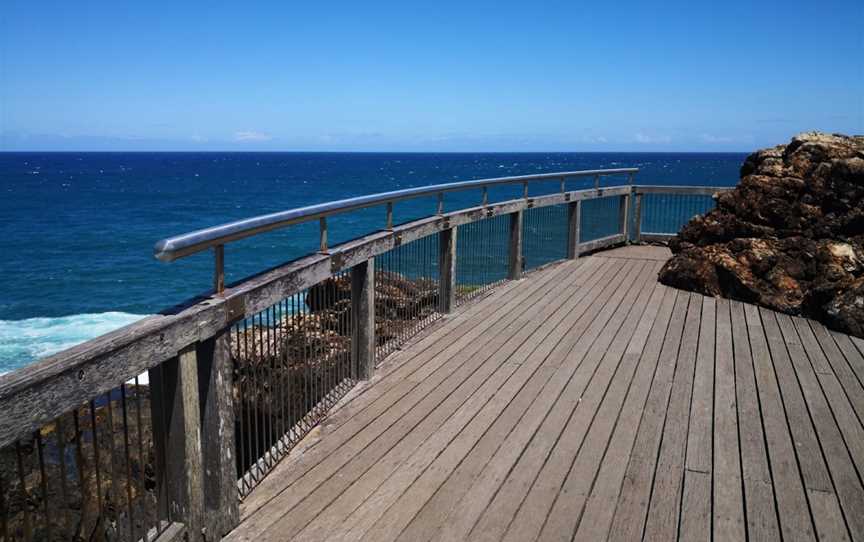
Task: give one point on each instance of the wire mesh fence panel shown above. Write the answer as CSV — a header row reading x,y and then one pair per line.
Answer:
x,y
406,292
481,256
601,217
91,474
292,363
544,236
667,213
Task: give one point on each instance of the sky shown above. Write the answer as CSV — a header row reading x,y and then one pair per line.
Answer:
x,y
427,76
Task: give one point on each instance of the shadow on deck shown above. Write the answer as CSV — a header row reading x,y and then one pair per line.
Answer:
x,y
588,402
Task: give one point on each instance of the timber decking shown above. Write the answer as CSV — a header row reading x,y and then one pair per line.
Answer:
x,y
587,401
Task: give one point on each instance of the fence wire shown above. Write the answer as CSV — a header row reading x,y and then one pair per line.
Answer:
x,y
292,363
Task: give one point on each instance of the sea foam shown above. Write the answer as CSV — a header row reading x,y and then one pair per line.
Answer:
x,y
23,341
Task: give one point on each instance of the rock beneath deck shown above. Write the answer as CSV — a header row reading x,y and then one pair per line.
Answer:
x,y
790,236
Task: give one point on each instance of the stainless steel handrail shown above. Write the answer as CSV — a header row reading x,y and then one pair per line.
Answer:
x,y
180,246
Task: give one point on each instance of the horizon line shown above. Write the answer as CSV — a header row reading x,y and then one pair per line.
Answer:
x,y
250,151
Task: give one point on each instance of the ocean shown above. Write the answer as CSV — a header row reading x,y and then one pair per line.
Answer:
x,y
78,229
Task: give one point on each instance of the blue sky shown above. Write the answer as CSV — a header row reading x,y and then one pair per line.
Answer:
x,y
431,76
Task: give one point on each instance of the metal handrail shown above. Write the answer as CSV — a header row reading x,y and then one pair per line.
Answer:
x,y
180,246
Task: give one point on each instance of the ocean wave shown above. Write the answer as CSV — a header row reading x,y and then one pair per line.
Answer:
x,y
24,341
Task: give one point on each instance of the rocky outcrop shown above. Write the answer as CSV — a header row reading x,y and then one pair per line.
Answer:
x,y
790,236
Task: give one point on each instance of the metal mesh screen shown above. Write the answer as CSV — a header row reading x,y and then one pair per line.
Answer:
x,y
601,218
406,292
667,213
544,235
481,256
292,363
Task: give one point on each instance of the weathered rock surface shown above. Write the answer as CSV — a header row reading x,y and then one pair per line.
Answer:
x,y
789,237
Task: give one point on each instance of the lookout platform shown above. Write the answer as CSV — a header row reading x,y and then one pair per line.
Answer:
x,y
587,401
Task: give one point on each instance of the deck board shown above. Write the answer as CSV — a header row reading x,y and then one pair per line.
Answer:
x,y
587,402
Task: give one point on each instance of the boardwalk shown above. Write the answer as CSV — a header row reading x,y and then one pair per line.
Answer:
x,y
588,402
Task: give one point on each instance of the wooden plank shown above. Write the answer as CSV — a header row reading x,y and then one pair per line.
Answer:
x,y
762,522
657,237
514,502
728,509
567,510
637,252
398,516
457,504
632,508
699,438
792,509
665,506
827,516
846,483
437,427
365,515
394,419
696,510
603,242
696,506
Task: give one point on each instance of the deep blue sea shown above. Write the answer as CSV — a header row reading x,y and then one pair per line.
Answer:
x,y
78,229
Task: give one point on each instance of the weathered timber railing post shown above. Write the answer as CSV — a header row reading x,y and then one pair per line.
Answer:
x,y
363,317
176,418
193,429
624,216
574,218
637,216
447,267
216,398
515,267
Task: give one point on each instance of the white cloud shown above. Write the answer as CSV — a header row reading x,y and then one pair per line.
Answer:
x,y
652,139
251,135
710,138
199,138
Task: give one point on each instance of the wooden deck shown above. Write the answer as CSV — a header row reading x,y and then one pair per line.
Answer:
x,y
589,402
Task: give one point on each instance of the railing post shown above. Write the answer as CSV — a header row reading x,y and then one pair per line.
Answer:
x,y
363,317
515,267
574,214
447,266
624,216
219,271
216,397
176,419
637,216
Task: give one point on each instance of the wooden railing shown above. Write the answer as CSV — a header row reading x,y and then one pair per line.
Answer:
x,y
236,378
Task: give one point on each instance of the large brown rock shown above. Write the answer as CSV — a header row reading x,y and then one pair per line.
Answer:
x,y
790,236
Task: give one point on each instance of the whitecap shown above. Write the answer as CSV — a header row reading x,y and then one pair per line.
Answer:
x,y
24,341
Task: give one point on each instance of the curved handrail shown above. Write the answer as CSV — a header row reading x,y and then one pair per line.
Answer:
x,y
180,246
